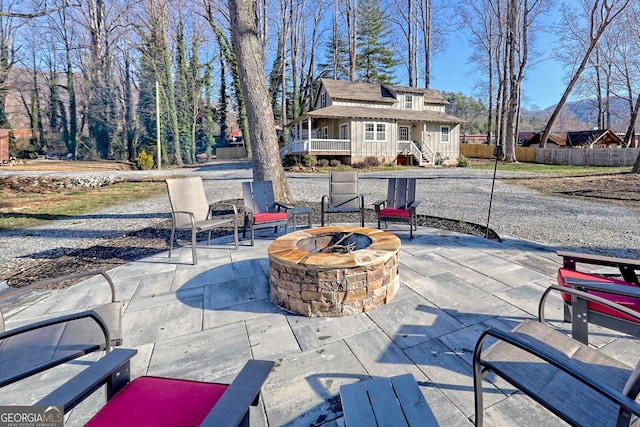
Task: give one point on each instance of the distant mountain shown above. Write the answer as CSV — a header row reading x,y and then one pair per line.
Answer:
x,y
579,115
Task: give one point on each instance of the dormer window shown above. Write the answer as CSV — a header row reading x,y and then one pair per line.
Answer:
x,y
323,99
408,101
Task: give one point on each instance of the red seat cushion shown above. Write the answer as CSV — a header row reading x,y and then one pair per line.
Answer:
x,y
154,401
629,302
395,212
269,217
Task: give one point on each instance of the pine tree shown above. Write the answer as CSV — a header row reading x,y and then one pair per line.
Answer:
x,y
182,85
375,60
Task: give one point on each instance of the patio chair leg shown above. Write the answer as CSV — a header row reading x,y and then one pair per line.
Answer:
x,y
173,234
235,234
193,246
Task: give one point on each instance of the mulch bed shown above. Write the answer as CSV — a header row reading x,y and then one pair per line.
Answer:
x,y
112,252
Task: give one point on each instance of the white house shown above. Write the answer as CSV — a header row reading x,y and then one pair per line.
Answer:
x,y
352,121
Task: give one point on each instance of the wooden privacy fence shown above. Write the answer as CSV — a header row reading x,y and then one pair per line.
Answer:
x,y
560,156
229,153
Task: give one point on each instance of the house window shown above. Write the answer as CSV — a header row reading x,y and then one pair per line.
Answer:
x,y
408,102
323,133
344,131
403,133
375,132
444,134
323,99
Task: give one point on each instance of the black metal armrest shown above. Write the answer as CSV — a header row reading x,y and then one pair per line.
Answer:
x,y
62,279
27,371
589,297
57,320
561,363
113,370
233,406
414,204
379,203
610,288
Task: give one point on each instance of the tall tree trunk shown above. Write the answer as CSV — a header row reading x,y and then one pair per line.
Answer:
x,y
264,143
601,17
352,35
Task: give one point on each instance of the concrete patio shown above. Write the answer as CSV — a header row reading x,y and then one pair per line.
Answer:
x,y
203,322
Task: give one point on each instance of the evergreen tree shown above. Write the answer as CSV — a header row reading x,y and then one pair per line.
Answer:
x,y
375,60
184,110
336,63
471,109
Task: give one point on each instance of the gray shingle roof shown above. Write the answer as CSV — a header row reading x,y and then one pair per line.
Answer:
x,y
375,93
356,91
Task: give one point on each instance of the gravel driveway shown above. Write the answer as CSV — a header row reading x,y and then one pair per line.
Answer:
x,y
457,193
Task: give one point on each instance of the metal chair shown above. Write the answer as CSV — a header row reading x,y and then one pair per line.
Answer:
x,y
157,401
191,211
577,383
261,210
343,196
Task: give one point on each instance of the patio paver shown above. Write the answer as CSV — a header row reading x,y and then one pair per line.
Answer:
x,y
203,322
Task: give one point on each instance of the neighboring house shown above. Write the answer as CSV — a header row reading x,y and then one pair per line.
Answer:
x,y
353,121
582,139
523,136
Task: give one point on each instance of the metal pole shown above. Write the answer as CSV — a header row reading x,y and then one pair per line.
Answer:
x,y
497,153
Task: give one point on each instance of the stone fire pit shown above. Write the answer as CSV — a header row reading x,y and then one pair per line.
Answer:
x,y
334,271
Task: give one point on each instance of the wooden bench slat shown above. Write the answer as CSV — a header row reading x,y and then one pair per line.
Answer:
x,y
415,407
356,406
385,404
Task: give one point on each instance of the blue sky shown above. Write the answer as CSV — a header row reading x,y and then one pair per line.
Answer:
x,y
543,85
544,81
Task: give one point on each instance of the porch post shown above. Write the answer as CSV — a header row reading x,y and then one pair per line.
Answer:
x,y
308,134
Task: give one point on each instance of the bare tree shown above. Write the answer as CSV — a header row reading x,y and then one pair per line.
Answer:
x,y
265,157
600,13
351,13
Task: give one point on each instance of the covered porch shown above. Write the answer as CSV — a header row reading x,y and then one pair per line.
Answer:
x,y
358,138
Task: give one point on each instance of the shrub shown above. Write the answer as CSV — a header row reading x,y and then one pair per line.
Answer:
x,y
463,162
289,161
335,163
144,160
310,160
323,163
371,162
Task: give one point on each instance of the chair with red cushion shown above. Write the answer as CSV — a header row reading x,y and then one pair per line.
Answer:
x,y
401,203
261,210
625,291
160,401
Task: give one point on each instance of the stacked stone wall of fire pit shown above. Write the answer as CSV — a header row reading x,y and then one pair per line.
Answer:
x,y
333,284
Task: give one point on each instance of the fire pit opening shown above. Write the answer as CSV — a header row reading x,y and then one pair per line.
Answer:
x,y
334,271
340,243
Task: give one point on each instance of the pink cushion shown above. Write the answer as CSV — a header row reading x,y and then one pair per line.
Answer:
x,y
269,216
629,302
399,213
155,401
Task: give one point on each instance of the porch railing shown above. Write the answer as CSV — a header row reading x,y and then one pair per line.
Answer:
x,y
316,145
409,147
